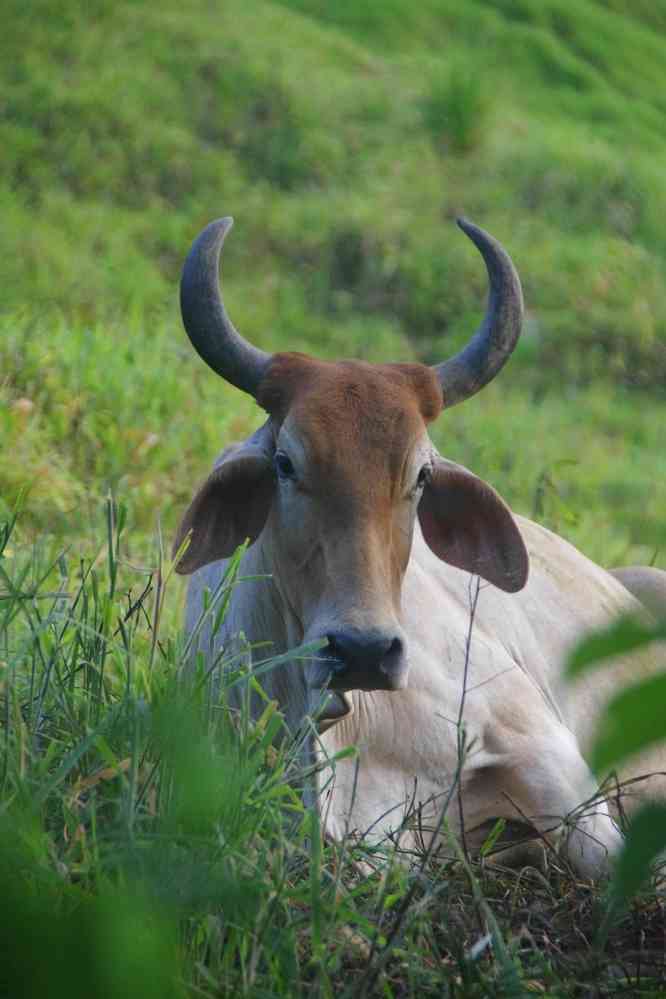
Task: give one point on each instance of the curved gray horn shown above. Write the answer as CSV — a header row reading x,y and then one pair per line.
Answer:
x,y
205,319
490,347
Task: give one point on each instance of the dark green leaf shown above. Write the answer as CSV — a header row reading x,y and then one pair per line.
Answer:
x,y
624,635
634,720
646,838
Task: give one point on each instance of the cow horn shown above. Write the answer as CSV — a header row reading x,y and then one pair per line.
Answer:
x,y
490,347
206,322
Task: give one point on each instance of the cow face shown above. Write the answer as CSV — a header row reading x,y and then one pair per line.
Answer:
x,y
332,486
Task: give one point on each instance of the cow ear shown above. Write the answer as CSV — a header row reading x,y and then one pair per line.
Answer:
x,y
467,524
230,506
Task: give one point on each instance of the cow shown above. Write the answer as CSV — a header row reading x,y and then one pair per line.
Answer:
x,y
443,620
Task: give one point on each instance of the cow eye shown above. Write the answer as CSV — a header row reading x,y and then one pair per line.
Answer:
x,y
283,465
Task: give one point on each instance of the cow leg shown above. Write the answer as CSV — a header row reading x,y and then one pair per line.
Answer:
x,y
543,780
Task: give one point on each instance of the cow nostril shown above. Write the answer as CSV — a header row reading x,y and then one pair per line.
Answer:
x,y
395,648
393,656
335,655
365,649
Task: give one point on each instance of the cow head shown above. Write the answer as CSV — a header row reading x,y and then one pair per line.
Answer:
x,y
338,474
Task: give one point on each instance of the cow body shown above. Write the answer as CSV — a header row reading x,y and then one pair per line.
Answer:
x,y
526,729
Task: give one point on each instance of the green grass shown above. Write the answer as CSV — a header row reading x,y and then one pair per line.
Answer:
x,y
155,844
125,128
344,137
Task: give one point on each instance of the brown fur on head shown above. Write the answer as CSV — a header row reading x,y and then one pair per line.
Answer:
x,y
293,376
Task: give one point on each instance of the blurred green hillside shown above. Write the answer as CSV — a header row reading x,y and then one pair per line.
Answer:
x,y
344,137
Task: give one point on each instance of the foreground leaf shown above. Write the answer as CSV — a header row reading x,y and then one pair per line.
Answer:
x,y
633,720
646,838
625,635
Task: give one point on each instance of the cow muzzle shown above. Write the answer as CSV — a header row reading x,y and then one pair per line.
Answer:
x,y
365,660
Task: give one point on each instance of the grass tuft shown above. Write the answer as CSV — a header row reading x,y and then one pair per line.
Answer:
x,y
456,109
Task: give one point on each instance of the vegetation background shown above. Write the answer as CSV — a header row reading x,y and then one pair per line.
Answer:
x,y
344,137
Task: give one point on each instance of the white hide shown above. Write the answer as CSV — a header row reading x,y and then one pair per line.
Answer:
x,y
527,730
